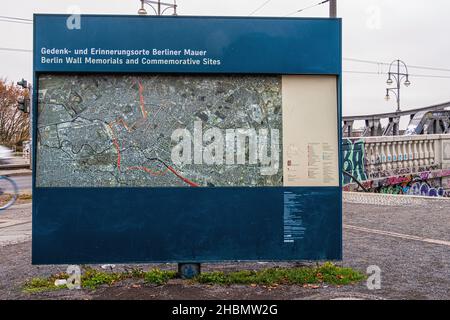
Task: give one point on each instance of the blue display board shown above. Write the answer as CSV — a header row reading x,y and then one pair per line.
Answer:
x,y
97,202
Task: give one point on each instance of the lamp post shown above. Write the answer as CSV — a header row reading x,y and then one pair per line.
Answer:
x,y
398,76
158,7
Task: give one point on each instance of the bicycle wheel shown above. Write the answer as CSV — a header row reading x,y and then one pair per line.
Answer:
x,y
8,192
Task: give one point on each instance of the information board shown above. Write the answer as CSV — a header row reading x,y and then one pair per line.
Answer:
x,y
186,139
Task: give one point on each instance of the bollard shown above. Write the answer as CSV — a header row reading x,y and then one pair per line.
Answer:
x,y
189,270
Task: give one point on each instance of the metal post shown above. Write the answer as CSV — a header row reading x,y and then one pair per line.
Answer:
x,y
28,108
159,7
333,8
189,270
398,85
31,96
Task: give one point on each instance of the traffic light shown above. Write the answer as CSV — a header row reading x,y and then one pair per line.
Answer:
x,y
23,104
23,83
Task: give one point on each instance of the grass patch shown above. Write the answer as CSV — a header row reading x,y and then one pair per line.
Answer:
x,y
37,285
25,196
159,277
136,273
91,278
327,273
21,198
5,198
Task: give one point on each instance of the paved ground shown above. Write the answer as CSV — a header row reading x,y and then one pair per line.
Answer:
x,y
16,162
23,183
15,225
22,176
410,243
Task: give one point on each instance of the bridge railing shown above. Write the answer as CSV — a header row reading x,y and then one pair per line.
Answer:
x,y
378,159
433,119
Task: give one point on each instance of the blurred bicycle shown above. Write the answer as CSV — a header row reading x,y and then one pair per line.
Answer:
x,y
8,192
5,154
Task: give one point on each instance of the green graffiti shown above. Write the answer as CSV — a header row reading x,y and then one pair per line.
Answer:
x,y
353,160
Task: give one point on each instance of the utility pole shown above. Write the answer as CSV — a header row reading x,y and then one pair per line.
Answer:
x,y
333,8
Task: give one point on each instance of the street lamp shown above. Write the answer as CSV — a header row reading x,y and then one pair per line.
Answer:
x,y
160,9
398,77
389,81
387,98
142,10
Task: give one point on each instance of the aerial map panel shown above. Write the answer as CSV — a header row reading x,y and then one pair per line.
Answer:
x,y
159,130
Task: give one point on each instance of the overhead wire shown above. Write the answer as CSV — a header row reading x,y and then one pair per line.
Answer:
x,y
260,7
306,8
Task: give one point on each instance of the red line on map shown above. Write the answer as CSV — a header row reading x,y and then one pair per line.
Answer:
x,y
189,182
116,143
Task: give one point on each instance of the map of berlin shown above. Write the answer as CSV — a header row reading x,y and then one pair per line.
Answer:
x,y
117,130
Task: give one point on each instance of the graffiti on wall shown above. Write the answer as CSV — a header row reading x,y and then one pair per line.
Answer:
x,y
424,189
429,181
420,184
414,188
378,173
353,160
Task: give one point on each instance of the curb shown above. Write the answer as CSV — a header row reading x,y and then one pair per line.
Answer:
x,y
388,199
14,166
16,174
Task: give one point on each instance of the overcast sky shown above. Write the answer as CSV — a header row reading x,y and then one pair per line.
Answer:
x,y
416,31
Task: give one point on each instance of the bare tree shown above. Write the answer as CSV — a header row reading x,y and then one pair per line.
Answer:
x,y
14,124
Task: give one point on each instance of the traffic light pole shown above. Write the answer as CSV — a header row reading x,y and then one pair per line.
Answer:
x,y
25,105
30,110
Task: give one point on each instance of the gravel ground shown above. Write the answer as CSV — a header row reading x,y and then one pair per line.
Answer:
x,y
410,269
